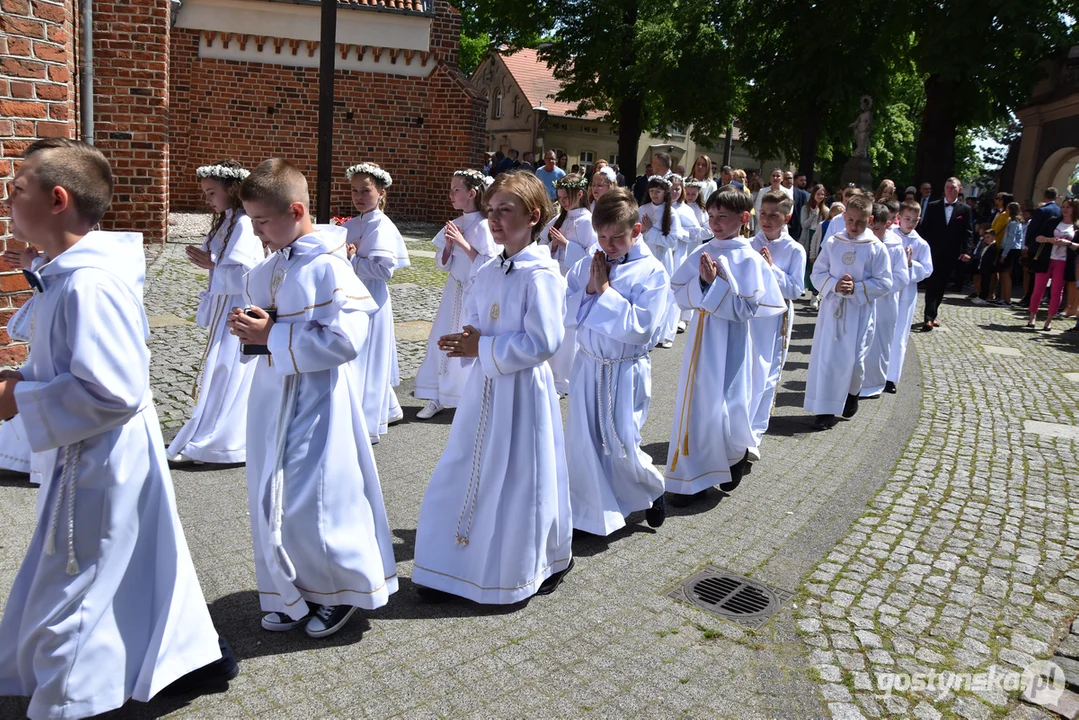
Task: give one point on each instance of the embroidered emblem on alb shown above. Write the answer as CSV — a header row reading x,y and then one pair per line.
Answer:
x,y
494,311
275,284
849,257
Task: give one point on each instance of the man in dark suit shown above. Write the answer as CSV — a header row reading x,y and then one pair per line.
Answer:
x,y
948,227
1042,222
801,197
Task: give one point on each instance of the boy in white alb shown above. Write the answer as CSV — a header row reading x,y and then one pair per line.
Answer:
x,y
463,246
495,524
322,540
377,250
729,283
570,238
616,300
851,271
105,606
886,307
919,266
771,334
14,444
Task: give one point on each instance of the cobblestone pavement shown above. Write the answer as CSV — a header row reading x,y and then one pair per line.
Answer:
x,y
930,532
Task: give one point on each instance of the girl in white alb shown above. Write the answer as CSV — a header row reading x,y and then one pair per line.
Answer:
x,y
662,230
570,238
217,430
464,245
602,180
694,222
376,250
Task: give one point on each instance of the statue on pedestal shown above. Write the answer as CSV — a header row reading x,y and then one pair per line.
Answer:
x,y
862,127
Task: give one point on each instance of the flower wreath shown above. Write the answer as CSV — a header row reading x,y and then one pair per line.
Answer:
x,y
564,183
692,182
665,182
475,177
381,176
221,172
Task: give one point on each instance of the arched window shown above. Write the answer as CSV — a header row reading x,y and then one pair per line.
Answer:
x,y
496,111
516,106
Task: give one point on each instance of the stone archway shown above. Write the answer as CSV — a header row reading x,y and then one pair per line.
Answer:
x,y
1056,171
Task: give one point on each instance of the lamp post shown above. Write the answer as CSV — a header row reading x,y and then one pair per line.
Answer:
x,y
327,60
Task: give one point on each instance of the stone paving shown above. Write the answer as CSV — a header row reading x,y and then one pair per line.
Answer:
x,y
931,532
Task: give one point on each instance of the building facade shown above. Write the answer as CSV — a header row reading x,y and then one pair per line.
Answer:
x,y
178,84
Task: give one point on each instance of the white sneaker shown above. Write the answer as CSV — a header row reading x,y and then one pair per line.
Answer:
x,y
181,459
432,408
682,326
665,344
814,304
753,454
396,417
979,301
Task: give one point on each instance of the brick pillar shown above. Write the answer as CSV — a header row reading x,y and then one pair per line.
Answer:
x,y
37,99
131,110
446,33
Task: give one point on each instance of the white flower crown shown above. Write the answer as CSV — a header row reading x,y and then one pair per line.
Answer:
x,y
221,172
475,176
374,171
563,183
692,182
660,179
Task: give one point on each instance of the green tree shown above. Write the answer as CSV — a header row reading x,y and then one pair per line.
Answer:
x,y
979,60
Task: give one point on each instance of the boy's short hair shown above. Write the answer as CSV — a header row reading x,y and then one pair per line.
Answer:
x,y
911,205
990,231
730,198
880,212
530,190
79,168
893,205
277,182
616,207
860,203
779,199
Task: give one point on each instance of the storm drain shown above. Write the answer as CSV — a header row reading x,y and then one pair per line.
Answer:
x,y
732,596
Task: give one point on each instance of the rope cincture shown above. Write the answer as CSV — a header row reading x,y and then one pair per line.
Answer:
x,y
691,384
458,292
605,381
277,481
477,460
67,486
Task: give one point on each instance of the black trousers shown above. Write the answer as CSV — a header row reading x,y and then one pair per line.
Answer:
x,y
935,286
987,268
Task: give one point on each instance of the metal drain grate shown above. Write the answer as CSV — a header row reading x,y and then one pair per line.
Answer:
x,y
732,596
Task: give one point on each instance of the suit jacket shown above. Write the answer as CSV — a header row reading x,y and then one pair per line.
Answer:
x,y
948,240
1043,221
794,227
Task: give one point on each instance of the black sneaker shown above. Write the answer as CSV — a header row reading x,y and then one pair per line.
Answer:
x,y
551,584
890,388
656,514
850,408
212,677
328,620
824,422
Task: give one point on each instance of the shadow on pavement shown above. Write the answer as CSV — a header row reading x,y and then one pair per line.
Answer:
x,y
10,478
405,550
587,545
444,417
791,425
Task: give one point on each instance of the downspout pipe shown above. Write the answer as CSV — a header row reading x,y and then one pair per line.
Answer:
x,y
86,71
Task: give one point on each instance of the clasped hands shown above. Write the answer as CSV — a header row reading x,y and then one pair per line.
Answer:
x,y
201,258
845,286
465,344
8,380
251,330
599,274
710,269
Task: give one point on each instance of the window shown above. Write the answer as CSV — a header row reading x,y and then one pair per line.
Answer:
x,y
613,158
496,110
587,157
516,106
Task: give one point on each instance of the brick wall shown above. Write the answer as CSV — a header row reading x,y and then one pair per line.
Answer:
x,y
131,110
249,111
37,99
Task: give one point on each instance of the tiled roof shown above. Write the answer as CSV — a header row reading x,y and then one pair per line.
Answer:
x,y
539,85
425,7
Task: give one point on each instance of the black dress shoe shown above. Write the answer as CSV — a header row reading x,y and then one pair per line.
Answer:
x,y
890,388
738,470
824,422
551,584
430,595
207,678
656,514
850,408
682,501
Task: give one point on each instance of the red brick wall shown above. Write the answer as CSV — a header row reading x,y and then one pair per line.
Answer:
x,y
131,110
220,109
37,99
